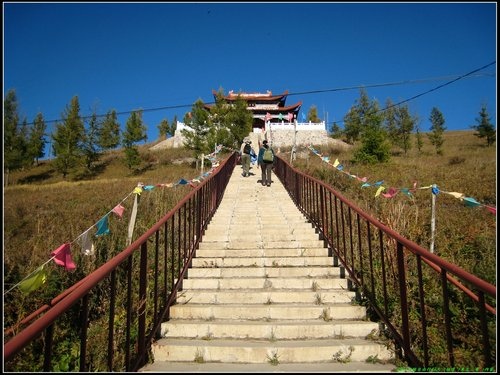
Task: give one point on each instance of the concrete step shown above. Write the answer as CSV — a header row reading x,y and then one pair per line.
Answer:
x,y
270,272
264,297
246,228
268,330
253,253
259,236
268,312
314,284
267,351
263,368
259,244
262,262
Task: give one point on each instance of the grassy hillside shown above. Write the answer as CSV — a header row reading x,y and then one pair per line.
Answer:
x,y
465,236
42,210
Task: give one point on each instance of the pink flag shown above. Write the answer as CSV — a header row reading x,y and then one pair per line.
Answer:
x,y
290,116
390,193
493,210
119,210
62,257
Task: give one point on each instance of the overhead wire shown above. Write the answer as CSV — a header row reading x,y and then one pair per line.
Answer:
x,y
398,83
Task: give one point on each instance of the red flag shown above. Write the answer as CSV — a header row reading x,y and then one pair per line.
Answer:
x,y
62,257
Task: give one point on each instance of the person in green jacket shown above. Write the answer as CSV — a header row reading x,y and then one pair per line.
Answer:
x,y
265,161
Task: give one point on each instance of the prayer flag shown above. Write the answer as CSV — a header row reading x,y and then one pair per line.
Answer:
x,y
86,243
118,210
35,281
379,190
390,193
456,195
471,202
62,257
102,226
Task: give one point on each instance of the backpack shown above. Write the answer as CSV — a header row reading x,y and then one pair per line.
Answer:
x,y
268,155
247,149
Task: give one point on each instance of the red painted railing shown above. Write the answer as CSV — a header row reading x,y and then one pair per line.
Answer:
x,y
125,300
410,290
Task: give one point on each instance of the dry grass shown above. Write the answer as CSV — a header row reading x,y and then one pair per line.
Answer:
x,y
42,211
465,236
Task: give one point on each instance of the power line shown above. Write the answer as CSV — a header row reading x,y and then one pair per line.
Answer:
x,y
398,83
433,89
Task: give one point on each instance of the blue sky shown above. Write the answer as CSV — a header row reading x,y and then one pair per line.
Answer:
x,y
162,57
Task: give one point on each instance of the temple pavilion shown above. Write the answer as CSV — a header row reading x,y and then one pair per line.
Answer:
x,y
265,107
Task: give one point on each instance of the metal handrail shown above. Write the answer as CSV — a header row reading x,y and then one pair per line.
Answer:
x,y
399,280
145,278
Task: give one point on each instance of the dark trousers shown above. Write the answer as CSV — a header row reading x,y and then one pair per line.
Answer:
x,y
245,163
266,173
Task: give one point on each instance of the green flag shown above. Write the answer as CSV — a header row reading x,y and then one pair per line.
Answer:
x,y
36,280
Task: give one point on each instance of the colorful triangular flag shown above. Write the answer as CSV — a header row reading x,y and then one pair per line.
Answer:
x,y
35,281
62,257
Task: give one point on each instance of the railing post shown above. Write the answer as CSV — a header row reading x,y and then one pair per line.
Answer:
x,y
403,297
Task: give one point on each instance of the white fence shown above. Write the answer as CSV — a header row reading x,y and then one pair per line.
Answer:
x,y
277,126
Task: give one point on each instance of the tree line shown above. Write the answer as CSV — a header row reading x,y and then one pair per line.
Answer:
x,y
77,144
377,130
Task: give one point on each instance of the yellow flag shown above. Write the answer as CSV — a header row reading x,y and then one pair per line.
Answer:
x,y
36,280
379,190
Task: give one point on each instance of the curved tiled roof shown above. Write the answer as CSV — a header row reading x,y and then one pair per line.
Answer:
x,y
290,108
268,97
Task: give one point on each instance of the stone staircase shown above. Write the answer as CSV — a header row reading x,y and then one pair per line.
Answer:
x,y
263,296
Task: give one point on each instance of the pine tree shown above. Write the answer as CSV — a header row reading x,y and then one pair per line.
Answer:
x,y
405,125
13,145
135,132
484,127
164,129
390,117
109,135
90,143
239,121
198,120
68,138
419,142
36,144
437,130
360,115
336,132
312,115
365,122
